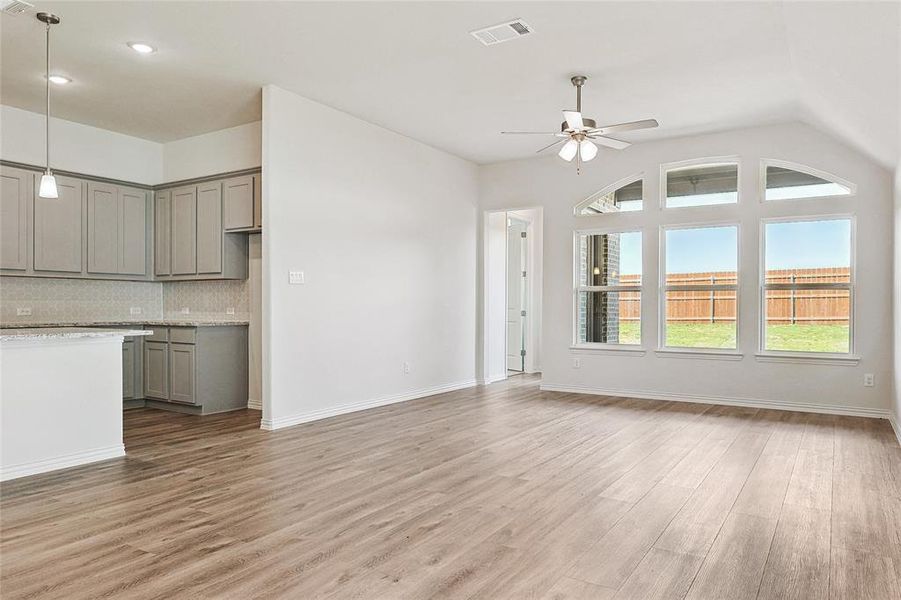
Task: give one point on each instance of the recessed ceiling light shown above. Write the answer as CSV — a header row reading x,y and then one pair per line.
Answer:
x,y
141,47
60,80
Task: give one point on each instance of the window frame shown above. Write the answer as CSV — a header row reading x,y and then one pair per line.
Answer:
x,y
663,288
800,355
578,208
578,289
694,162
785,164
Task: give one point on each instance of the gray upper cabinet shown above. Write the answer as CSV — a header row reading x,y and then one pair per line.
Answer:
x,y
239,204
58,228
103,228
184,231
209,228
132,231
257,202
15,193
117,230
162,241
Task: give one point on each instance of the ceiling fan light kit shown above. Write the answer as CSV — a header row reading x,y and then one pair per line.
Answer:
x,y
581,136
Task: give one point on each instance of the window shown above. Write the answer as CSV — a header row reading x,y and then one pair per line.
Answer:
x,y
700,184
626,195
700,287
807,286
787,181
608,288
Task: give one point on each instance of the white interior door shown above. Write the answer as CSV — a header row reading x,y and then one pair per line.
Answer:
x,y
516,293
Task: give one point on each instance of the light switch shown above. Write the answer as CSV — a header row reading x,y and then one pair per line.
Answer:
x,y
295,277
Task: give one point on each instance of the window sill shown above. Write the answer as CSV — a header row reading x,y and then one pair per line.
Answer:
x,y
625,349
701,353
810,359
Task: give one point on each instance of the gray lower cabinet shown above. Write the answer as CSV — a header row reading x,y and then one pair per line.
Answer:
x,y
156,370
196,369
128,369
58,228
16,189
181,373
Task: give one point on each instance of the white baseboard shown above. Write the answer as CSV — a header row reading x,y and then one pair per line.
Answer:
x,y
491,379
894,421
829,409
324,413
254,404
61,462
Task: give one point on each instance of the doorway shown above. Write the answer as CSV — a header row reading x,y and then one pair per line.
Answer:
x,y
511,293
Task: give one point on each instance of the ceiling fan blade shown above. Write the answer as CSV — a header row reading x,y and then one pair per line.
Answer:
x,y
551,145
573,120
609,142
531,133
630,126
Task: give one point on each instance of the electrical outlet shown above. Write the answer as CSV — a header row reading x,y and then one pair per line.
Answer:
x,y
135,310
23,311
185,310
230,310
577,363
406,368
869,380
295,277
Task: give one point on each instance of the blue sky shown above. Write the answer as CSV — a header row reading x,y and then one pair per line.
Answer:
x,y
801,245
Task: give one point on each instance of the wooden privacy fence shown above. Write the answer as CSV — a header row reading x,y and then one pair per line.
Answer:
x,y
811,306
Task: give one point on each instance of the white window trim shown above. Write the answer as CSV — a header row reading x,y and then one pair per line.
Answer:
x,y
577,209
686,351
577,289
710,160
764,355
773,162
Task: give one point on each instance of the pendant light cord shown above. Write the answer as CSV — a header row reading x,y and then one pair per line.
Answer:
x,y
47,146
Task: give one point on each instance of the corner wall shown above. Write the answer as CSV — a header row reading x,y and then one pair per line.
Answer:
x,y
384,229
554,185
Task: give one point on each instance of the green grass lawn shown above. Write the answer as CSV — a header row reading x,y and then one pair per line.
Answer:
x,y
805,338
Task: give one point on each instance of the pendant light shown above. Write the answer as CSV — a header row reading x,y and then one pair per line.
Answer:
x,y
48,181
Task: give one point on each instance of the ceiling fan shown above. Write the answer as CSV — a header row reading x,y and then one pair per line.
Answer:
x,y
581,135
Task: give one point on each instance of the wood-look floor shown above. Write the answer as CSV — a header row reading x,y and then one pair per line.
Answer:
x,y
493,492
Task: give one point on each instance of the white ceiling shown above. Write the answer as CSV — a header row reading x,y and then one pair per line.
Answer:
x,y
413,68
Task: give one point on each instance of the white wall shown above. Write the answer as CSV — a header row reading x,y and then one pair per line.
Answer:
x,y
384,228
220,151
553,184
79,148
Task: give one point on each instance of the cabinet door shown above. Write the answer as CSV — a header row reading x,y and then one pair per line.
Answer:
x,y
257,202
181,363
128,369
15,190
156,370
209,228
132,231
162,240
58,228
103,228
238,201
184,231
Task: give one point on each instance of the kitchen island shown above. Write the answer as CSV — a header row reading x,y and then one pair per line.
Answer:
x,y
60,398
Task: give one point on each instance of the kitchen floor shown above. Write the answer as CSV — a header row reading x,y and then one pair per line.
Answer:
x,y
500,491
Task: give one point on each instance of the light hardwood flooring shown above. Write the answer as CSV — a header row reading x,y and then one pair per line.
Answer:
x,y
493,492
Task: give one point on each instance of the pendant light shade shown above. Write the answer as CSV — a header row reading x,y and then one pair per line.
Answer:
x,y
48,181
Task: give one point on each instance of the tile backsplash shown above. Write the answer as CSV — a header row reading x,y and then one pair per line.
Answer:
x,y
86,300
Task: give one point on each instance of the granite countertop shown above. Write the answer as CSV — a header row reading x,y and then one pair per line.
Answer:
x,y
197,322
48,333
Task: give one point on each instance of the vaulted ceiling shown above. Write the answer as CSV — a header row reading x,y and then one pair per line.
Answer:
x,y
413,68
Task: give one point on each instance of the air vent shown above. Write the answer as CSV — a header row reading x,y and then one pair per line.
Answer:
x,y
504,32
15,7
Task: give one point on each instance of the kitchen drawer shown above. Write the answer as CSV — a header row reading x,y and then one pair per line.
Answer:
x,y
160,334
183,335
